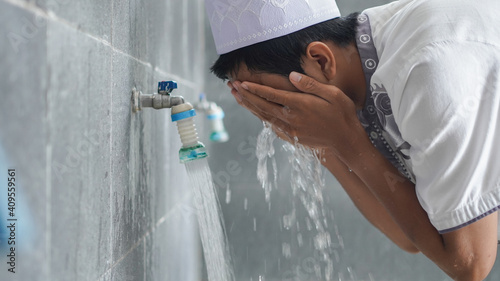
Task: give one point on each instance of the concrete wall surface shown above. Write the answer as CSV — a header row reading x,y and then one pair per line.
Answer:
x,y
100,193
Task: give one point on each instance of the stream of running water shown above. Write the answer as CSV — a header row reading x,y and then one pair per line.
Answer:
x,y
210,221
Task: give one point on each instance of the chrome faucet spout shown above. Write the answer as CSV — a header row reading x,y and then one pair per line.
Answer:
x,y
156,101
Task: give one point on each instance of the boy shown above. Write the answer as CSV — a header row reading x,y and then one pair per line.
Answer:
x,y
403,99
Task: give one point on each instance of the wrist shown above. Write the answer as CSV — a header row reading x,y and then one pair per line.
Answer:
x,y
357,148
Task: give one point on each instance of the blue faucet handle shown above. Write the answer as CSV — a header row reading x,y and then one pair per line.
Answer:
x,y
166,87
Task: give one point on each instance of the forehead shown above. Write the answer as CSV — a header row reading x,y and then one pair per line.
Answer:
x,y
276,81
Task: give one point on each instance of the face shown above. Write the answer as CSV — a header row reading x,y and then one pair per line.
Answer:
x,y
275,81
272,80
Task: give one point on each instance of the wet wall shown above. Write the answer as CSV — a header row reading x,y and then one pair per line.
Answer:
x,y
99,191
254,230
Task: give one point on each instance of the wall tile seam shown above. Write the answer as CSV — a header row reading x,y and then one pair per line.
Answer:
x,y
142,239
184,82
111,162
176,208
139,242
112,22
49,15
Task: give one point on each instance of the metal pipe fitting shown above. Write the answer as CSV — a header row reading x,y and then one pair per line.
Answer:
x,y
156,101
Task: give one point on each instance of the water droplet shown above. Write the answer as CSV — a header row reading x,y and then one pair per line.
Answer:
x,y
228,195
286,250
289,219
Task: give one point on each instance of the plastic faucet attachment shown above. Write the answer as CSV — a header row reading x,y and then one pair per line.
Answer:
x,y
192,148
215,115
219,134
182,114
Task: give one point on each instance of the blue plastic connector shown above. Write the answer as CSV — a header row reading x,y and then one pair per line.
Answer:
x,y
217,115
166,87
183,115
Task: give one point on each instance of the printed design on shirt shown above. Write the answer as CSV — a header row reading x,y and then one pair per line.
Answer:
x,y
380,112
376,116
382,103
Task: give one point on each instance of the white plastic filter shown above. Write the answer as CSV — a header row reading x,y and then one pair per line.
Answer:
x,y
187,131
186,127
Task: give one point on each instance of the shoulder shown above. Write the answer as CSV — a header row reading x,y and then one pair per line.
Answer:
x,y
447,38
441,82
404,26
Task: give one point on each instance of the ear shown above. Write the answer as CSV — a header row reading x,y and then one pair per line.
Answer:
x,y
319,62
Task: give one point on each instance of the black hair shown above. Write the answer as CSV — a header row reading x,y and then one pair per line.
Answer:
x,y
282,55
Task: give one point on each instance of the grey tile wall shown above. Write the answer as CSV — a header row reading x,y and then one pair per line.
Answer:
x,y
79,124
101,193
24,90
92,17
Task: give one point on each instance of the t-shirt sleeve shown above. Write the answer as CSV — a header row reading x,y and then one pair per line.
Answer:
x,y
446,104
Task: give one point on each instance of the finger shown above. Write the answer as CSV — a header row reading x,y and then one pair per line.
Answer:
x,y
270,117
286,98
263,105
236,95
309,85
281,128
265,116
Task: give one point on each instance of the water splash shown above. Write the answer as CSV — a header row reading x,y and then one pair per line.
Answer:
x,y
307,183
211,224
264,151
228,194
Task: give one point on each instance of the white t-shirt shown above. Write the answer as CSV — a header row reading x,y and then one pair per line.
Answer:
x,y
439,61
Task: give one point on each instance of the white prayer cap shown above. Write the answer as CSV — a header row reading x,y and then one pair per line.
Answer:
x,y
240,23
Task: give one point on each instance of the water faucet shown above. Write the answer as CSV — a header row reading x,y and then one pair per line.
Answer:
x,y
159,100
182,113
163,99
215,114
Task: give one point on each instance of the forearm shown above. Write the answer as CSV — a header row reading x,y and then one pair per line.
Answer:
x,y
398,196
366,202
